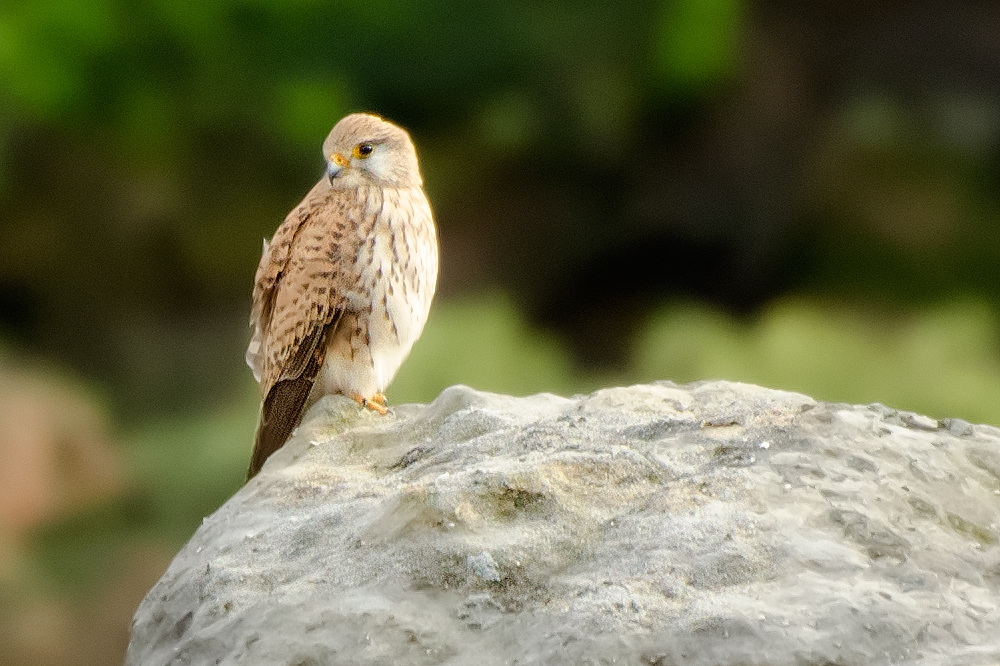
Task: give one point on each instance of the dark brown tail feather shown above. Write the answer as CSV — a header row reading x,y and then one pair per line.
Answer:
x,y
284,404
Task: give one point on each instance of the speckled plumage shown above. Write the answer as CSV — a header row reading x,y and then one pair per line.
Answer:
x,y
344,287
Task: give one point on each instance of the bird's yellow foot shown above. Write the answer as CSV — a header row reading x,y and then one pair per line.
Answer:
x,y
376,403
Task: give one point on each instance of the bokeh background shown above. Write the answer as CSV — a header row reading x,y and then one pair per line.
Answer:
x,y
798,193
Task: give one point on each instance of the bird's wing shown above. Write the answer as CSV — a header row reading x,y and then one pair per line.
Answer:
x,y
299,297
300,283
273,260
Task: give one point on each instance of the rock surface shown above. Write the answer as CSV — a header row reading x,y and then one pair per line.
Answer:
x,y
713,523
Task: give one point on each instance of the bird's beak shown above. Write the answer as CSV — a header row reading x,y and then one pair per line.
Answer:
x,y
336,165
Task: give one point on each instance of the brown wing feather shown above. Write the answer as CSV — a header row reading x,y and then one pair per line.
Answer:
x,y
285,402
273,262
301,287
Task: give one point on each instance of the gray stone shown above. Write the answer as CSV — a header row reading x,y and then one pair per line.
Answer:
x,y
709,524
959,427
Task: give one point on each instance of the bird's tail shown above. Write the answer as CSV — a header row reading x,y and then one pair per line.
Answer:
x,y
283,406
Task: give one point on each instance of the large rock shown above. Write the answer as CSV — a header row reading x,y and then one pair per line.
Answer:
x,y
714,523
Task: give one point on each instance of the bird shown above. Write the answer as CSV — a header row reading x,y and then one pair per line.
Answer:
x,y
344,287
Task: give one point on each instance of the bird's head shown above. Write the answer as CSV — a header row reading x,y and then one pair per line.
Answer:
x,y
364,149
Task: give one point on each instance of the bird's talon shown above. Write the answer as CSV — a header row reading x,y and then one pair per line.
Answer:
x,y
376,407
372,403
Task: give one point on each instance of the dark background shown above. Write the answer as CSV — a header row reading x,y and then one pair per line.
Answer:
x,y
801,194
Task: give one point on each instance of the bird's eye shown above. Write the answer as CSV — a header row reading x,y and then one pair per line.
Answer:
x,y
362,150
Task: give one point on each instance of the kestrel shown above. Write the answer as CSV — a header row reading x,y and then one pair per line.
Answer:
x,y
344,287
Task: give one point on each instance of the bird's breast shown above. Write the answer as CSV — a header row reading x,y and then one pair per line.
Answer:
x,y
396,265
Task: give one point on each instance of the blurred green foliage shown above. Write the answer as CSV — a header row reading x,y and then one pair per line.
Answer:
x,y
698,42
484,343
944,362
